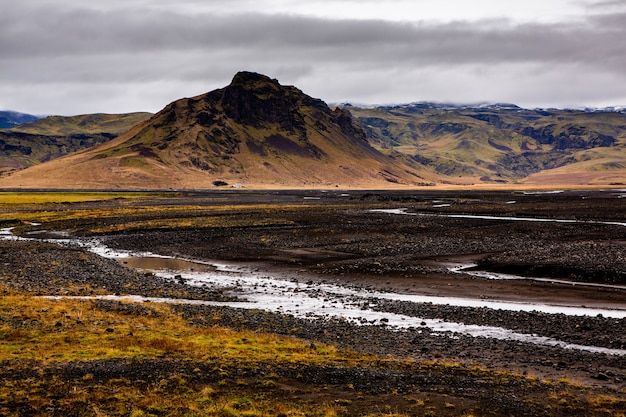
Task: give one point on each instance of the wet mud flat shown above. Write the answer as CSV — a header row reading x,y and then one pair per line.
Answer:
x,y
361,240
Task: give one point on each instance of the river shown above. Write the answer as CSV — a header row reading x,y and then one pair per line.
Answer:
x,y
312,299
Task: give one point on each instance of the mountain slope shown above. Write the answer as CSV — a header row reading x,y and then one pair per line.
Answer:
x,y
254,132
51,137
502,143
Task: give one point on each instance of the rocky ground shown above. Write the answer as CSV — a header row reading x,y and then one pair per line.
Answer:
x,y
337,238
50,269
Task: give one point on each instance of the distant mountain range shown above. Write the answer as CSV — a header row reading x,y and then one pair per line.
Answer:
x,y
501,143
9,119
435,105
258,133
41,140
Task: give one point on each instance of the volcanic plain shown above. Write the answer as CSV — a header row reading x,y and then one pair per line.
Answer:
x,y
69,345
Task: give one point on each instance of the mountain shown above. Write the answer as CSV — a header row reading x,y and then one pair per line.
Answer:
x,y
85,124
254,132
501,143
51,137
258,133
9,119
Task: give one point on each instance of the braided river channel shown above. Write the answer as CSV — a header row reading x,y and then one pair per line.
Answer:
x,y
254,288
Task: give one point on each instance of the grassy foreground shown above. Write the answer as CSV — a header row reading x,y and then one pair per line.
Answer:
x,y
104,358
46,333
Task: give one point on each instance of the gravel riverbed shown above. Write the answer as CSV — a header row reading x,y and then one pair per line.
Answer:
x,y
342,241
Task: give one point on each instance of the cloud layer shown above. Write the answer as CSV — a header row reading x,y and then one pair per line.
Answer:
x,y
139,55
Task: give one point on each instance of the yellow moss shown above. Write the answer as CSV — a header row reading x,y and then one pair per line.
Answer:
x,y
33,197
66,330
103,220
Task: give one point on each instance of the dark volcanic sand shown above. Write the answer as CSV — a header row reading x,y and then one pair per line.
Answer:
x,y
338,238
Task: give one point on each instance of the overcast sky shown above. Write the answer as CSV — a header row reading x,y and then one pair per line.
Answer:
x,y
86,56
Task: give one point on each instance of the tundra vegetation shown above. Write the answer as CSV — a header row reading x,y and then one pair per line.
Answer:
x,y
99,357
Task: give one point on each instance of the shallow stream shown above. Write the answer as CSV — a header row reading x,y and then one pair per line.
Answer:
x,y
262,290
312,299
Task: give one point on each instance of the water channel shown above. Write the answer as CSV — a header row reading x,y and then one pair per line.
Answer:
x,y
266,291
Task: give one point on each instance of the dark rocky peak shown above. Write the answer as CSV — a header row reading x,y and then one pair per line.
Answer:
x,y
250,106
253,80
256,100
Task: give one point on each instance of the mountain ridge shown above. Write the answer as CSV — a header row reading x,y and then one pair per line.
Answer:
x,y
440,105
254,132
258,133
44,139
502,144
113,123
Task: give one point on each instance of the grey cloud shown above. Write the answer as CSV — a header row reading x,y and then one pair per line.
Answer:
x,y
89,32
607,4
80,47
609,21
